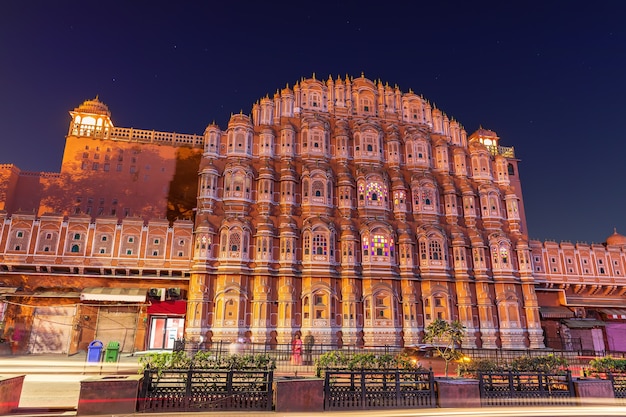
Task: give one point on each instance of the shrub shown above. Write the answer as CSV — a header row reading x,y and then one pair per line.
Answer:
x,y
205,360
471,368
549,363
607,364
335,359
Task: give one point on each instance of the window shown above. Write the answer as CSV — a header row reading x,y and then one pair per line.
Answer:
x,y
157,241
19,234
131,239
48,236
76,236
102,250
75,248
129,251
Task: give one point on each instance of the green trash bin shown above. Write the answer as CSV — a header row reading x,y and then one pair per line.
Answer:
x,y
112,352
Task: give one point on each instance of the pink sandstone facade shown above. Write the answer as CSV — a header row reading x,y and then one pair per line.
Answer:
x,y
343,207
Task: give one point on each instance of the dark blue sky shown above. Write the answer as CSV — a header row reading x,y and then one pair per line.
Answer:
x,y
549,78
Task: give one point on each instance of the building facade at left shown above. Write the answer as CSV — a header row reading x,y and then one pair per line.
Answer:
x,y
89,253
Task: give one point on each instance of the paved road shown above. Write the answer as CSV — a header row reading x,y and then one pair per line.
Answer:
x,y
52,388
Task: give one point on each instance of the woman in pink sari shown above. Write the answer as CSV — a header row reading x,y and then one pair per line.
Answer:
x,y
296,350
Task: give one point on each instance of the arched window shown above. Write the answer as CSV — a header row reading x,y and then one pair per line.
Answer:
x,y
435,250
75,248
234,242
511,169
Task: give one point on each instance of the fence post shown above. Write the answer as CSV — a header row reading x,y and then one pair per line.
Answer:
x,y
398,398
270,387
570,384
326,390
188,390
363,397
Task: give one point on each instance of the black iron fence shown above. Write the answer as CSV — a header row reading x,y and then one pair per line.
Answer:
x,y
199,389
525,388
368,389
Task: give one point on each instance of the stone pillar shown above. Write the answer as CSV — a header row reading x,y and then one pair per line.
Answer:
x,y
594,391
457,393
10,392
299,395
113,394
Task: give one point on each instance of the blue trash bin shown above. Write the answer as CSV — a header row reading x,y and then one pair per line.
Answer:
x,y
94,351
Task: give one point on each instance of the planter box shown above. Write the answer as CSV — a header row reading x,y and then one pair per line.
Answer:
x,y
10,392
457,393
113,394
592,391
304,395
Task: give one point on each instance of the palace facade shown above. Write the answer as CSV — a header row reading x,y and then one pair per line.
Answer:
x,y
343,207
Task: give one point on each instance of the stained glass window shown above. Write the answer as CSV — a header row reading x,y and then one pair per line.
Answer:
x,y
376,193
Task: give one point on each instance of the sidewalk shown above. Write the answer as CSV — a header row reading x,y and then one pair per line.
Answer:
x,y
63,364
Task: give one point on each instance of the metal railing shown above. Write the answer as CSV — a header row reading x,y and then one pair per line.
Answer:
x,y
525,388
201,389
381,389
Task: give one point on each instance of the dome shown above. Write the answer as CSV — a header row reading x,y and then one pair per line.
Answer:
x,y
616,239
94,106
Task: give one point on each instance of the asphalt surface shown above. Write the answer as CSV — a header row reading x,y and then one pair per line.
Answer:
x,y
52,388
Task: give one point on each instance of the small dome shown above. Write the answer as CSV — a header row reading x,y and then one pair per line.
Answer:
x,y
616,239
94,106
486,136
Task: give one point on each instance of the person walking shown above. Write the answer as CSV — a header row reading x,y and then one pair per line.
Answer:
x,y
296,350
15,337
309,341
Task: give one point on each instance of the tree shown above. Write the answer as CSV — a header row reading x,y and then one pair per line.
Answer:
x,y
445,338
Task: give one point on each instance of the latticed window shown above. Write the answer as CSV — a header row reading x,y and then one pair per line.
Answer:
x,y
307,244
398,198
320,245
317,189
376,194
382,246
234,242
435,250
504,255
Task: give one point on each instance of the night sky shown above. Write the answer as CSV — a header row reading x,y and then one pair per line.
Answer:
x,y
550,78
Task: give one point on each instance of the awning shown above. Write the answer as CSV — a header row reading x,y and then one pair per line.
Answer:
x,y
614,313
53,294
583,323
173,307
558,312
133,295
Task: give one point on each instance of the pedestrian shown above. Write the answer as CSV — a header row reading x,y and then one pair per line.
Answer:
x,y
309,341
296,350
15,336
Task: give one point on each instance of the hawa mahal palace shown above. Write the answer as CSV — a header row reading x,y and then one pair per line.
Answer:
x,y
344,207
